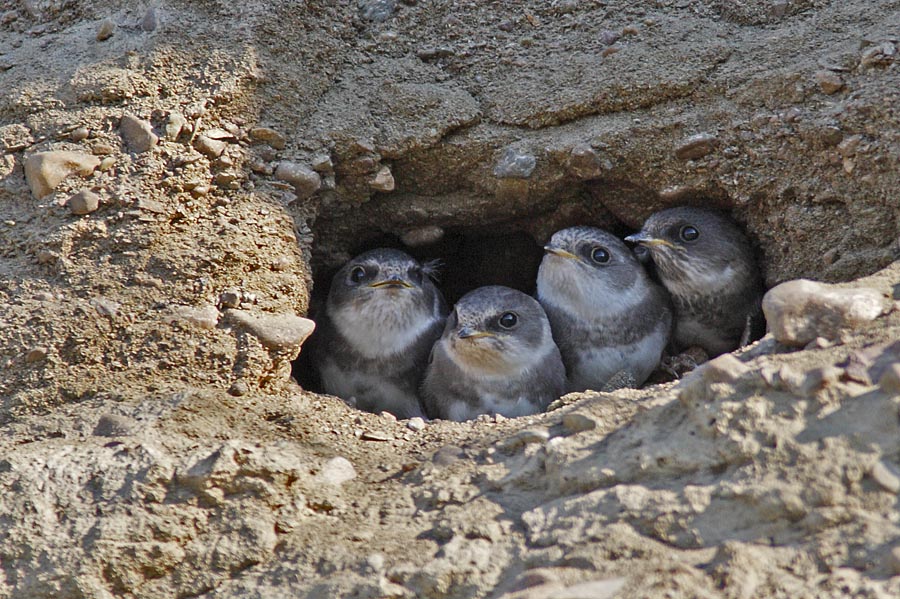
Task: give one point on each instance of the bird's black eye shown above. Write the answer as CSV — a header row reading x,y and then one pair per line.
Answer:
x,y
689,233
357,274
600,255
508,320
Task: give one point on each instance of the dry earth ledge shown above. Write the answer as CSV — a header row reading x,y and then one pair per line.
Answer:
x,y
165,172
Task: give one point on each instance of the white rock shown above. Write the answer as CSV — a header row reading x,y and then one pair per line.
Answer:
x,y
336,471
797,312
415,424
383,181
45,170
206,317
275,331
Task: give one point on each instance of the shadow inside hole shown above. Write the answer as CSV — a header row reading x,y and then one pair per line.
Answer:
x,y
467,261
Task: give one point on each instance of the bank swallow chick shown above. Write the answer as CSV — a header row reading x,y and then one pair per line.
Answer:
x,y
381,318
706,263
608,317
496,356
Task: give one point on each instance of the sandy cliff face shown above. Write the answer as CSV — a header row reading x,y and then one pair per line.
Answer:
x,y
174,174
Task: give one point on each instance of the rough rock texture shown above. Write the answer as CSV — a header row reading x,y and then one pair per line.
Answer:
x,y
799,311
152,443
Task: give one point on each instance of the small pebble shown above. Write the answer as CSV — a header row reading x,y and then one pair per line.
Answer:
x,y
107,163
849,145
377,11
696,146
336,471
79,134
114,425
435,52
515,164
200,190
105,306
227,180
45,170
281,263
137,133
375,436
829,81
175,124
205,317
415,424
799,311
238,388
84,202
151,20
322,163
584,162
285,331
610,50
383,181
388,416
102,149
609,37
306,181
35,355
575,422
106,30
885,476
209,147
268,136
230,298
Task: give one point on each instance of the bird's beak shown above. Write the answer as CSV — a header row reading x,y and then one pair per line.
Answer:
x,y
393,282
646,239
549,249
469,333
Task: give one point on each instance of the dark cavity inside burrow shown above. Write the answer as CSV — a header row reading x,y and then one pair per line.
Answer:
x,y
499,250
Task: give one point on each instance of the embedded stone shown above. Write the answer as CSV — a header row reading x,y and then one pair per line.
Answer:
x,y
585,163
696,146
383,180
45,170
306,181
137,133
515,164
797,312
84,202
275,331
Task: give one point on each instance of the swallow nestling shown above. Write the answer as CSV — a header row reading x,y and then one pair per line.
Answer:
x,y
496,356
706,263
381,318
608,316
